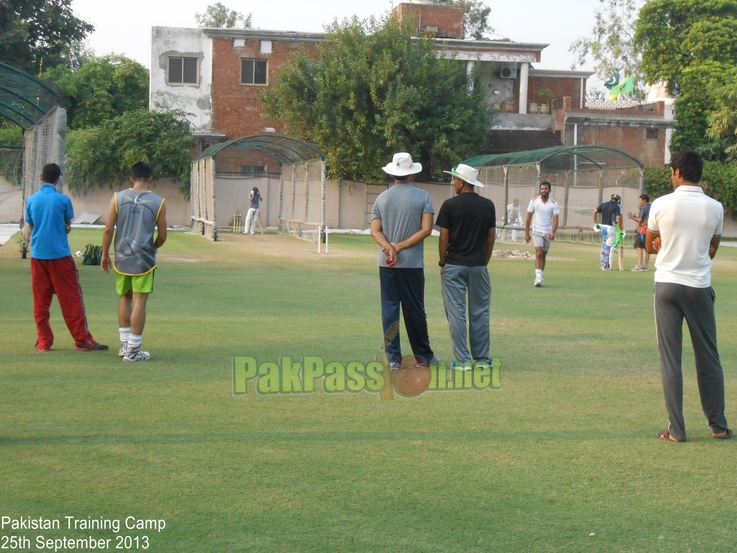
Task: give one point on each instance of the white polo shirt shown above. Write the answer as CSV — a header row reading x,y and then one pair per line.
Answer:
x,y
542,218
686,219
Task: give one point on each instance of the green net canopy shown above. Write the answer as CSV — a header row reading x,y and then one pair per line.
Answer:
x,y
561,158
282,148
25,99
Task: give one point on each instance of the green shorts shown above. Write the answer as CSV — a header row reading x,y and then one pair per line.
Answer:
x,y
141,284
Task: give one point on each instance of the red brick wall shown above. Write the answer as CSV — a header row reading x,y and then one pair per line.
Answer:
x,y
448,19
230,160
632,140
559,87
236,107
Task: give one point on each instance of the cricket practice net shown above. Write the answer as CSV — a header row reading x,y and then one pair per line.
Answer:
x,y
43,144
302,200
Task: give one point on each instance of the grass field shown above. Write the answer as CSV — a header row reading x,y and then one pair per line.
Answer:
x,y
562,458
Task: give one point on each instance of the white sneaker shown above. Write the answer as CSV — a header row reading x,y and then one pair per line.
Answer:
x,y
539,283
123,349
135,354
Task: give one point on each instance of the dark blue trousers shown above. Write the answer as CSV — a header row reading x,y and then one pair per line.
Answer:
x,y
405,288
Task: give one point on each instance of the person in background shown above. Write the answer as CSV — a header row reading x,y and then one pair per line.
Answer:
x,y
254,200
611,216
514,217
641,220
542,222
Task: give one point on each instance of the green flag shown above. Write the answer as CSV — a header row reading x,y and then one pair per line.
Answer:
x,y
627,86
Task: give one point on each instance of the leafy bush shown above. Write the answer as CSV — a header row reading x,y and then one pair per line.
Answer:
x,y
103,155
719,181
657,181
11,135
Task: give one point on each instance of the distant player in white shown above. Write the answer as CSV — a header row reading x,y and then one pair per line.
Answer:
x,y
542,213
514,217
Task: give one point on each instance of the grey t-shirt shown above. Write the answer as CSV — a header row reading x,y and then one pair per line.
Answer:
x,y
400,209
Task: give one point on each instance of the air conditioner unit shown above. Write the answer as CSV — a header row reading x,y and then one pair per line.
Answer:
x,y
508,71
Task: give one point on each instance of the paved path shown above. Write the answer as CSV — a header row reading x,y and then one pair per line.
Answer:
x,y
7,231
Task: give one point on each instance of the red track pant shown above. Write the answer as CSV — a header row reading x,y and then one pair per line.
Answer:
x,y
58,276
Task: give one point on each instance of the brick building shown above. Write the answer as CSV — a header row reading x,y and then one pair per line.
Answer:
x,y
217,75
637,130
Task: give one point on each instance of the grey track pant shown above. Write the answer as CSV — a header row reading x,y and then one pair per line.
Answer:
x,y
456,281
673,303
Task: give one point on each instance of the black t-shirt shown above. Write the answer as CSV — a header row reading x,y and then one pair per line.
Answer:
x,y
609,211
468,218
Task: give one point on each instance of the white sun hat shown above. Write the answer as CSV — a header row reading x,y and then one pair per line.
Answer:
x,y
466,173
402,165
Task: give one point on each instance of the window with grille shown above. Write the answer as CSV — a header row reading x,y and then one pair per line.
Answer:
x,y
253,170
253,71
182,71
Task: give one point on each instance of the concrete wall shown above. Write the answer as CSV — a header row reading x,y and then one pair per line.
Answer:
x,y
347,201
97,201
231,197
11,202
192,98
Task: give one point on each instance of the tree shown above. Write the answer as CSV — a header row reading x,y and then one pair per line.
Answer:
x,y
722,121
475,17
218,16
103,155
374,90
102,88
689,44
10,134
612,43
34,33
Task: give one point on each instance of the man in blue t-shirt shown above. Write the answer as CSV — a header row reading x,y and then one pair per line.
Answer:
x,y
254,202
49,216
467,232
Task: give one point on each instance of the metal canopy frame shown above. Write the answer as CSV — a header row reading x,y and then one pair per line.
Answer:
x,y
560,158
284,149
25,99
589,162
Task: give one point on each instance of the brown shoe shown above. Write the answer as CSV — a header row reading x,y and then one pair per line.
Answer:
x,y
665,435
723,435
